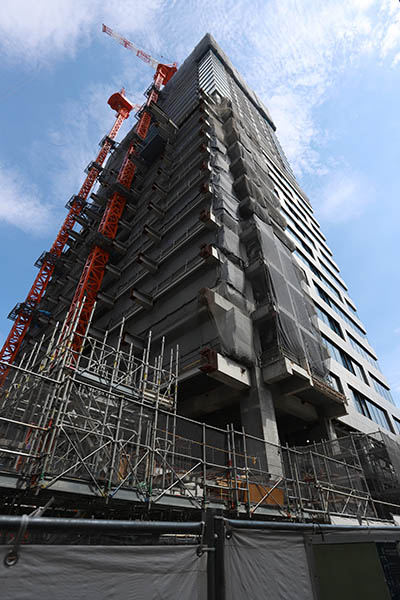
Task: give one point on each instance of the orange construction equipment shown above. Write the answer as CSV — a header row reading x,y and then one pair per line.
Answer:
x,y
140,53
25,311
93,272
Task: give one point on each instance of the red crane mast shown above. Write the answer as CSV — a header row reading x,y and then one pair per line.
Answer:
x,y
25,312
93,271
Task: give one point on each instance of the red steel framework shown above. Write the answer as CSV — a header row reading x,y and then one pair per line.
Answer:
x,y
25,313
93,271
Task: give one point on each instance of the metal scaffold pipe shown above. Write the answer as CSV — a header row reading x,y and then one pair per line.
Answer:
x,y
102,525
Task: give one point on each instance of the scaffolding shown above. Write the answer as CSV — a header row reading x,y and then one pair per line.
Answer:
x,y
377,456
85,414
380,458
103,422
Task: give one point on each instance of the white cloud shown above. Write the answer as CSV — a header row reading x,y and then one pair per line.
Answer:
x,y
43,31
343,197
81,124
20,203
68,145
296,129
363,4
301,51
391,37
292,54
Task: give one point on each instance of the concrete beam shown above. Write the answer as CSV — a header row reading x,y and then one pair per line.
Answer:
x,y
225,370
283,368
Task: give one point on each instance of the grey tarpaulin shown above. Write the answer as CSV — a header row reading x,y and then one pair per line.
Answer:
x,y
105,572
261,564
294,308
392,448
234,328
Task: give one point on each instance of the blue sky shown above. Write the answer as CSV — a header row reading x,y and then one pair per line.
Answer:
x,y
329,71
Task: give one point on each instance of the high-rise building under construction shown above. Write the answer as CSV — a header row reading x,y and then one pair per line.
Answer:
x,y
217,251
189,354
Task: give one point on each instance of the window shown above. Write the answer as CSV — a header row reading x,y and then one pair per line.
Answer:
x,y
351,307
344,359
333,350
370,410
279,175
328,320
329,260
397,425
297,226
336,383
317,273
290,206
319,235
339,311
347,362
304,204
359,371
330,286
300,241
363,352
329,272
382,389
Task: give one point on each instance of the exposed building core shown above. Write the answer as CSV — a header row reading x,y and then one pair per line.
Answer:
x,y
218,253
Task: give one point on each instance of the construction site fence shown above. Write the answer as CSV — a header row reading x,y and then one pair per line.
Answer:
x,y
215,559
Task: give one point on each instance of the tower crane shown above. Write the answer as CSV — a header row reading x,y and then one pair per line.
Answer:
x,y
93,272
24,312
140,53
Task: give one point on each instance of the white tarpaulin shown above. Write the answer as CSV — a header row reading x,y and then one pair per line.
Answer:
x,y
105,572
271,565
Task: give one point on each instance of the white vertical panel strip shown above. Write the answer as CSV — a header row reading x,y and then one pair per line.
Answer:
x,y
212,76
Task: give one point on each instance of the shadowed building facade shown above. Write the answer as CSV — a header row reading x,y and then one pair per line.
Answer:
x,y
218,250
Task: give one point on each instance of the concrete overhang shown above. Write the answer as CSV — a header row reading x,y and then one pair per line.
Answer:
x,y
225,370
295,382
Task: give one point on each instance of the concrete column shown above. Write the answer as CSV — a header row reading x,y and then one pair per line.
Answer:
x,y
327,429
327,424
258,419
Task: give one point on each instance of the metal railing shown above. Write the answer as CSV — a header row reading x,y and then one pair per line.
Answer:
x,y
107,420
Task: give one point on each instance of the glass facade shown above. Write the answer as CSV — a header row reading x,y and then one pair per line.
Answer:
x,y
328,320
361,350
396,425
381,389
344,359
370,410
339,311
